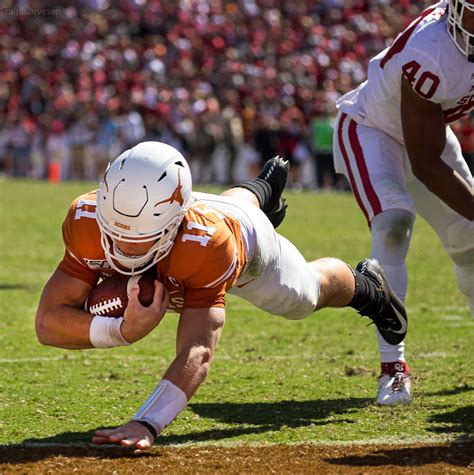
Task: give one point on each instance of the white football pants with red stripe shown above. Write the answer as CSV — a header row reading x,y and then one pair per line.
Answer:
x,y
378,169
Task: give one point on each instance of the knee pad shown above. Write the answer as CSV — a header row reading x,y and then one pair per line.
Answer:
x,y
391,233
465,282
395,225
460,245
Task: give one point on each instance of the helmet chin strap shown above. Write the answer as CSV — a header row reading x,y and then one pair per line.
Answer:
x,y
127,265
136,264
130,265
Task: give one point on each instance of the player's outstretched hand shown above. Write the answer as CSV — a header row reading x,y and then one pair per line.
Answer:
x,y
138,320
132,434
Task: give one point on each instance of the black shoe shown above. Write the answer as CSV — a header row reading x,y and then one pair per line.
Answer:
x,y
275,172
278,215
391,319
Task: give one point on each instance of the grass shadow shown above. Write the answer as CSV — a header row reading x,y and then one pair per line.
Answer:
x,y
267,417
456,454
256,417
451,392
4,286
288,413
459,421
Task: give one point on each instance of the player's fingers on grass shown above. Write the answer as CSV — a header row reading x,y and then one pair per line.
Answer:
x,y
143,444
117,437
129,441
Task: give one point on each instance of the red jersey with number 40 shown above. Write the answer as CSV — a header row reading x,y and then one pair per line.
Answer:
x,y
205,262
427,57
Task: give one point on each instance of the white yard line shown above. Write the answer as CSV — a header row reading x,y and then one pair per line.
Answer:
x,y
248,357
37,358
159,360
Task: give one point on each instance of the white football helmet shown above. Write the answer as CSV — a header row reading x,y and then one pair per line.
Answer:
x,y
143,197
463,38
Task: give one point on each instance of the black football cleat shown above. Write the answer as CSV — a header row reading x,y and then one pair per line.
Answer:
x,y
278,215
275,172
391,319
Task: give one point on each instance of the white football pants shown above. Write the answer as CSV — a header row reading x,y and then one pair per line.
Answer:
x,y
278,278
379,171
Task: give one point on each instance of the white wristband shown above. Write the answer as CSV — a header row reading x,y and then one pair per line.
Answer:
x,y
164,404
104,332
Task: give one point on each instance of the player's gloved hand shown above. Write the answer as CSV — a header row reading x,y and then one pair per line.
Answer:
x,y
132,434
138,320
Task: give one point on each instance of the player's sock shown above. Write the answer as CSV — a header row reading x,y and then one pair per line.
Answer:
x,y
262,190
390,353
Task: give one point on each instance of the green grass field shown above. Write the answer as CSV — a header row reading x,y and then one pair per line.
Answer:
x,y
272,381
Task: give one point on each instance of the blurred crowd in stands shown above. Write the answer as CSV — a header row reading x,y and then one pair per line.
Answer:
x,y
229,83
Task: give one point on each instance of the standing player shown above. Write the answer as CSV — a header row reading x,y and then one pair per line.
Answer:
x,y
144,215
394,144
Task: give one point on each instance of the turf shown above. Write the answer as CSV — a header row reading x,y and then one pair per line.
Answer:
x,y
272,381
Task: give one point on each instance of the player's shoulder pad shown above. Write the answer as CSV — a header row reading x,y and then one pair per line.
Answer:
x,y
205,250
80,229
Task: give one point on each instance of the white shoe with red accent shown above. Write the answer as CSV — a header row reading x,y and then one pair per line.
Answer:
x,y
394,384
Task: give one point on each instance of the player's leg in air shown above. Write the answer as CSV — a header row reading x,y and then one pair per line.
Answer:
x,y
265,191
280,281
373,164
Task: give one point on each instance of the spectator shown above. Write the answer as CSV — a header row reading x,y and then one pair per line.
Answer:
x,y
321,137
106,141
5,161
132,129
79,139
265,138
20,145
256,60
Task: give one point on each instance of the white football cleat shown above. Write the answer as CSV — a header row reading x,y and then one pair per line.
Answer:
x,y
394,387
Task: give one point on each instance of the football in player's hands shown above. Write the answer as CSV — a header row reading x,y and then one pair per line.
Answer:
x,y
110,297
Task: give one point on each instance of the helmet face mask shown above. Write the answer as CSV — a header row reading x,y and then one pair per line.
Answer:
x,y
463,38
143,198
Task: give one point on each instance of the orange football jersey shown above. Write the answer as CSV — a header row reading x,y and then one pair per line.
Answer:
x,y
206,260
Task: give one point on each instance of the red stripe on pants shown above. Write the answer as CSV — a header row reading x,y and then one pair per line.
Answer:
x,y
362,167
348,167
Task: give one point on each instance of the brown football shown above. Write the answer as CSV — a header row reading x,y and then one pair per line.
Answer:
x,y
110,297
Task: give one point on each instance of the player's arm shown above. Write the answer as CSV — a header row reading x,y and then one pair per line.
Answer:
x,y
198,333
61,321
424,131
